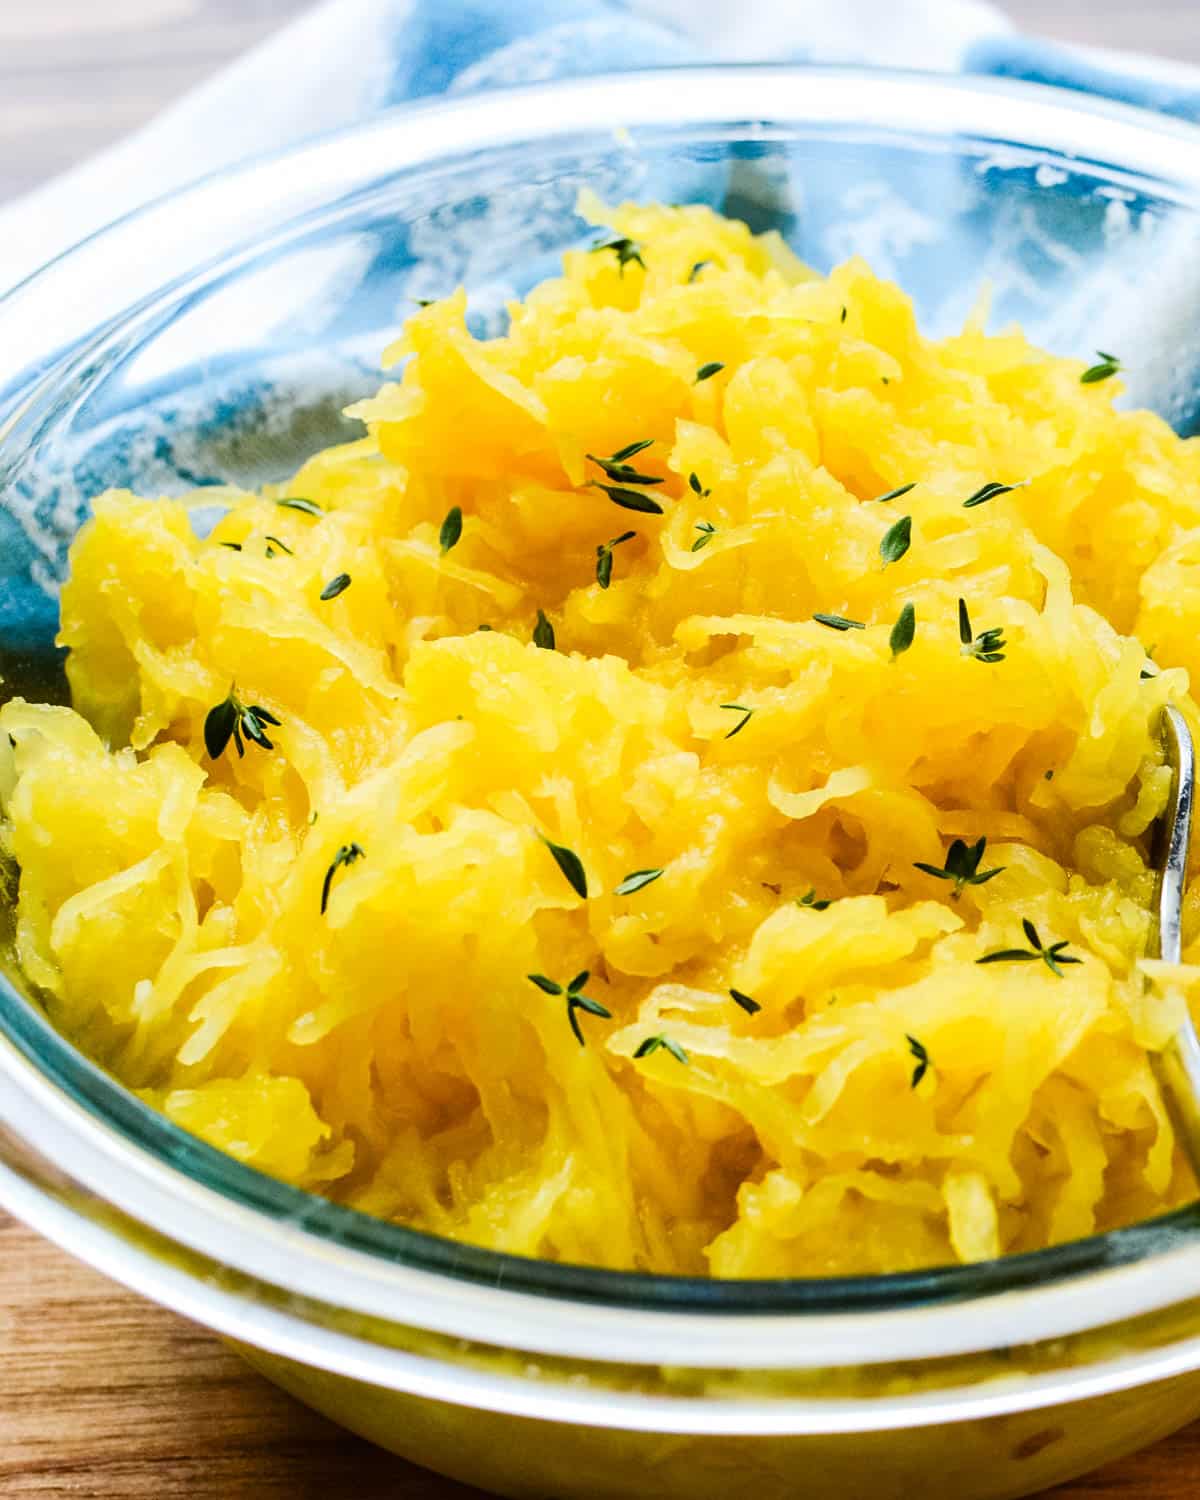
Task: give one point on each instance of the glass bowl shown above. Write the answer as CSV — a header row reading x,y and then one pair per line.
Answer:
x,y
215,337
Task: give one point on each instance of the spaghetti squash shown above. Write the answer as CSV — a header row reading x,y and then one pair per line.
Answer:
x,y
674,795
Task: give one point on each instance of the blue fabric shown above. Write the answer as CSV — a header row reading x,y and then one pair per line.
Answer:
x,y
1060,67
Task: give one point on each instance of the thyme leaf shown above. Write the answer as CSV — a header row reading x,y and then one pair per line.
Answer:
x,y
706,372
637,881
575,998
895,494
570,864
922,1059
294,502
903,631
283,546
543,632
628,499
621,472
741,724
451,529
991,491
336,586
839,622
1108,366
988,646
604,558
707,532
896,540
651,1045
747,1002
810,900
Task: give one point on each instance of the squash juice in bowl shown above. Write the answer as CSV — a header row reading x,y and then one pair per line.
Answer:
x,y
673,797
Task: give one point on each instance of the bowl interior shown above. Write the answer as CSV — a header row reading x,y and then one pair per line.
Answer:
x,y
215,340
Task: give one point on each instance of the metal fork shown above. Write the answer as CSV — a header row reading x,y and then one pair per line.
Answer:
x,y
1178,1064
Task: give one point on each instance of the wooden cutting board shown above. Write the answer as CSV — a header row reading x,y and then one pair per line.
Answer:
x,y
106,1397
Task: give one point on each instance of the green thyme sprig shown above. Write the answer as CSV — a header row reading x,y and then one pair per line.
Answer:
x,y
570,864
652,1044
451,529
922,1059
707,531
626,250
621,472
1053,956
604,557
283,546
987,646
576,999
233,719
296,502
345,856
696,269
707,371
1108,366
637,881
543,632
740,708
696,487
810,900
904,631
961,866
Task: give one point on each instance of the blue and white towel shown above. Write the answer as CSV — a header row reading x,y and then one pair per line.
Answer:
x,y
346,60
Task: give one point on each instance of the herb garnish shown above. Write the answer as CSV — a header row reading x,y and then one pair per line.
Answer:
x,y
309,507
451,529
991,492
696,487
621,472
922,1057
706,372
570,864
810,900
604,560
336,586
696,269
839,622
346,855
233,719
707,531
626,250
628,499
283,546
652,1043
962,866
576,999
896,540
903,631
233,546
1052,957
747,1002
895,494
543,632
988,645
843,318
1108,366
637,881
741,724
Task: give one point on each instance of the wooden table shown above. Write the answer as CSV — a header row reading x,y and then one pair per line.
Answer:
x,y
102,1396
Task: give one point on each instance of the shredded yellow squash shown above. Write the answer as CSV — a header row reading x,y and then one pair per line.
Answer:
x,y
482,679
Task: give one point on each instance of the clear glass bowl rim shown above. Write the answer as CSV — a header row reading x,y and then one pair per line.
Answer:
x,y
1141,1267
